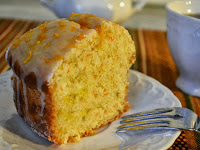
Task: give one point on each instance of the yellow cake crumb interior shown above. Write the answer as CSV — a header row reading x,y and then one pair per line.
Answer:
x,y
90,85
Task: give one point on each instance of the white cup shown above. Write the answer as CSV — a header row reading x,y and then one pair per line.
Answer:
x,y
114,10
183,34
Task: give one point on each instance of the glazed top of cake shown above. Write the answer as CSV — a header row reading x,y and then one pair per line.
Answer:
x,y
43,48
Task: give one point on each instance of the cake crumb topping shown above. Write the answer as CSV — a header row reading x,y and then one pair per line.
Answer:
x,y
61,25
80,37
46,22
41,36
47,45
71,45
29,57
56,35
27,40
38,42
26,36
72,29
43,28
111,38
56,57
16,44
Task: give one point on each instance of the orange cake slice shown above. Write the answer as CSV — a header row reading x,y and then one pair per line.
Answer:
x,y
70,76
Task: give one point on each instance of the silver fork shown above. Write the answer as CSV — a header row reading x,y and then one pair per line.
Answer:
x,y
163,118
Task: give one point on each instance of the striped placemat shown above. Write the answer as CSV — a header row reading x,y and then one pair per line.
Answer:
x,y
10,30
153,59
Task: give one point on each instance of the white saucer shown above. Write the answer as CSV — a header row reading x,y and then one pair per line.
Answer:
x,y
145,93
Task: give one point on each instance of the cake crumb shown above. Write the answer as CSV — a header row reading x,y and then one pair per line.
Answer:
x,y
29,57
56,35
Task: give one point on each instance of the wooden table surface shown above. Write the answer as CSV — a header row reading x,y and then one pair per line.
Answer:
x,y
153,59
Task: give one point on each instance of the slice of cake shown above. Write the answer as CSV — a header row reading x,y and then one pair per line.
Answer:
x,y
70,76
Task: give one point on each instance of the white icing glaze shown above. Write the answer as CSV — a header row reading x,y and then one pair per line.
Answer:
x,y
40,55
25,100
40,134
18,93
42,98
6,55
17,85
46,49
24,89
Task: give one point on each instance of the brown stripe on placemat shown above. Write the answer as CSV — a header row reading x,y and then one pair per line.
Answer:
x,y
8,30
159,63
195,102
143,56
188,102
13,34
184,142
10,34
193,138
3,65
134,36
197,138
153,69
1,21
4,24
5,68
181,97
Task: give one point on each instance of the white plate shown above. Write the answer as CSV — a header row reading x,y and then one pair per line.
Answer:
x,y
145,93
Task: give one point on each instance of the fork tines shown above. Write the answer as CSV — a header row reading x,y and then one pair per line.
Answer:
x,y
158,118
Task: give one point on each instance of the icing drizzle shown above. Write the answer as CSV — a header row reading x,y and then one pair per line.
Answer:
x,y
18,92
25,99
42,98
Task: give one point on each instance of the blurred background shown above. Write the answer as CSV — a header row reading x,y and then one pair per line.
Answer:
x,y
151,16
